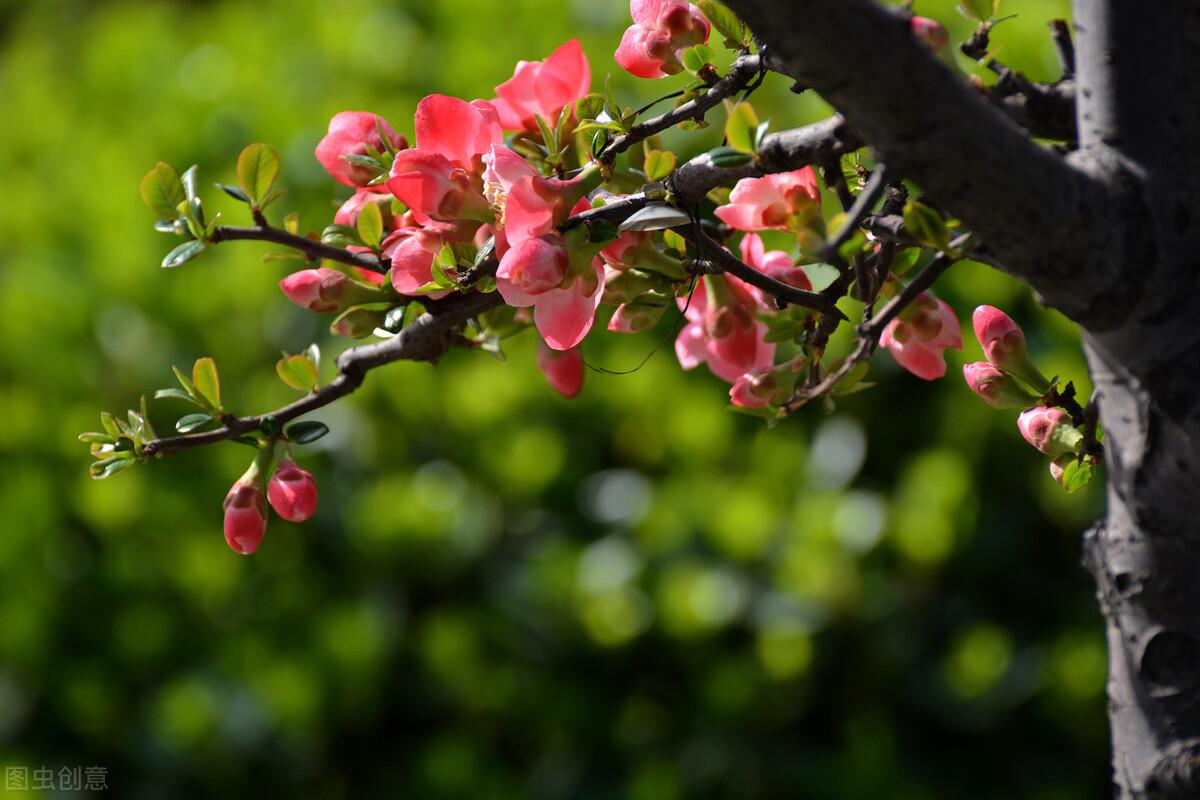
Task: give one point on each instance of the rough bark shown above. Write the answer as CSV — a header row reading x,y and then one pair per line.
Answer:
x,y
1110,235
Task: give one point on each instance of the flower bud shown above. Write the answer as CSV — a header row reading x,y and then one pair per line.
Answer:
x,y
755,389
635,317
931,33
535,266
997,388
315,289
1059,465
353,133
563,369
1003,343
245,513
1049,430
292,492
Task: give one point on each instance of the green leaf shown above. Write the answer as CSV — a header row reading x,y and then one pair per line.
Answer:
x,y
190,422
207,381
601,231
298,372
313,354
589,106
92,437
183,254
162,190
726,22
107,467
176,394
741,128
257,167
370,225
186,383
234,192
852,380
549,137
979,10
658,164
926,225
1076,475
697,57
340,236
291,223
305,432
189,181
729,157
109,423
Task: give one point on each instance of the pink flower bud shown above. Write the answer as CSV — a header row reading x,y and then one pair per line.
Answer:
x,y
352,133
318,290
997,388
920,335
563,369
292,492
245,515
1049,430
931,33
754,389
1059,465
1003,343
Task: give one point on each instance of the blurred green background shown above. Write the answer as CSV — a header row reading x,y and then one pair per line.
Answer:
x,y
636,594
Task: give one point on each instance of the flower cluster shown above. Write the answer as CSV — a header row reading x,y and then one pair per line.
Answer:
x,y
291,491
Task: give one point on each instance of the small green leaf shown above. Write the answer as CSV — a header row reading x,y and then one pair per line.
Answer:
x,y
234,192
658,164
729,157
697,57
979,10
291,223
741,127
601,231
186,383
106,468
207,381
340,236
297,372
162,190
257,167
189,181
926,225
589,106
305,432
313,354
109,423
176,394
190,422
183,254
93,437
1076,474
549,137
370,225
726,22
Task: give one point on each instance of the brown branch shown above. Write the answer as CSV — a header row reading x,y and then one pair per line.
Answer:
x,y
312,248
741,72
425,339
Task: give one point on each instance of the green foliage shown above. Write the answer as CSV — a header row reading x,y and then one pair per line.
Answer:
x,y
632,594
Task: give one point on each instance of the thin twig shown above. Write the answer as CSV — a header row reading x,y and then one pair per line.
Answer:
x,y
310,247
1060,32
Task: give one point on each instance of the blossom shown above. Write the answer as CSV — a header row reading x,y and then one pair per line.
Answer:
x,y
774,263
441,177
1049,430
931,33
920,334
722,329
563,369
245,513
755,389
543,88
997,388
413,246
539,272
661,28
785,200
292,492
352,133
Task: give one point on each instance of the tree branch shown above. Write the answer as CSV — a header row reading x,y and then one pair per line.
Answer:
x,y
1043,216
310,247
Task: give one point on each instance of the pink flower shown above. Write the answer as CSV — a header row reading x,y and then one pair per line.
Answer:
x,y
931,33
786,200
543,88
351,133
538,272
722,330
563,369
775,263
755,389
532,205
441,177
634,318
245,514
920,334
413,246
318,290
1049,430
292,492
997,388
661,28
